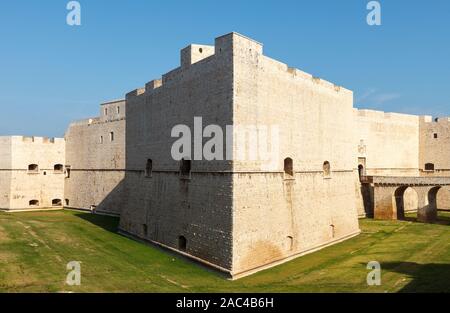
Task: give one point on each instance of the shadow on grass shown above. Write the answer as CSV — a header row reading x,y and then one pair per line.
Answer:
x,y
111,224
441,219
108,223
444,218
425,277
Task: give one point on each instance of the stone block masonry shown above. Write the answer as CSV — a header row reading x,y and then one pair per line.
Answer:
x,y
236,214
32,172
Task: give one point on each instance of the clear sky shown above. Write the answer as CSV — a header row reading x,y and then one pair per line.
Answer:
x,y
52,73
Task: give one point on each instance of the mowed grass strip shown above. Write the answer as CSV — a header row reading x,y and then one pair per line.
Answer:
x,y
35,248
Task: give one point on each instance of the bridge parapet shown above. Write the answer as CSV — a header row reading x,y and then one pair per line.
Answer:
x,y
406,181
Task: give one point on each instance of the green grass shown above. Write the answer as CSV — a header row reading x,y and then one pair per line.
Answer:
x,y
35,248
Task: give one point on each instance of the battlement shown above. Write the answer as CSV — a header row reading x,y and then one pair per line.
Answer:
x,y
135,93
37,140
296,73
234,35
316,80
112,102
229,45
84,122
237,44
195,53
384,115
429,119
153,84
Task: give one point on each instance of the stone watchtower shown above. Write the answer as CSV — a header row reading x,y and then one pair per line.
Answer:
x,y
243,212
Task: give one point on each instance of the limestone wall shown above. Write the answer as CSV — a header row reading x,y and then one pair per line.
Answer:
x,y
275,216
243,213
165,207
435,149
5,172
95,153
44,184
112,111
435,145
389,142
386,144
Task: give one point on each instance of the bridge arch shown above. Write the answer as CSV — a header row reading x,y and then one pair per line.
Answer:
x,y
389,195
405,200
443,198
432,195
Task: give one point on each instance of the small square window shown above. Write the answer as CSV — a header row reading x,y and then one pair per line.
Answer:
x,y
58,168
435,136
429,167
33,168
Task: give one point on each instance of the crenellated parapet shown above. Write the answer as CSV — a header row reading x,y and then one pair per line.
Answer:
x,y
36,140
232,47
430,119
195,53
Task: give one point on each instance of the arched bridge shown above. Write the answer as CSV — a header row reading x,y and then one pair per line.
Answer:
x,y
388,195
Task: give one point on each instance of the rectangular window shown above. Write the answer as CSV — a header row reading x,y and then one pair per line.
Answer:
x,y
185,168
429,167
33,168
111,136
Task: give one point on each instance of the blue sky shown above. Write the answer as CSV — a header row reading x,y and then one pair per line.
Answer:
x,y
52,73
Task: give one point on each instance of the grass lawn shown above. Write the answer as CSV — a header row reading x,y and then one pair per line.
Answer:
x,y
35,248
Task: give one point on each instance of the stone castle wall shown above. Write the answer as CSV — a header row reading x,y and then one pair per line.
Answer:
x,y
166,208
386,144
276,216
5,172
434,149
95,154
435,145
43,185
239,215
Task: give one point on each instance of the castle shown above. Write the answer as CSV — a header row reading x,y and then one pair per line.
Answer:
x,y
334,163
